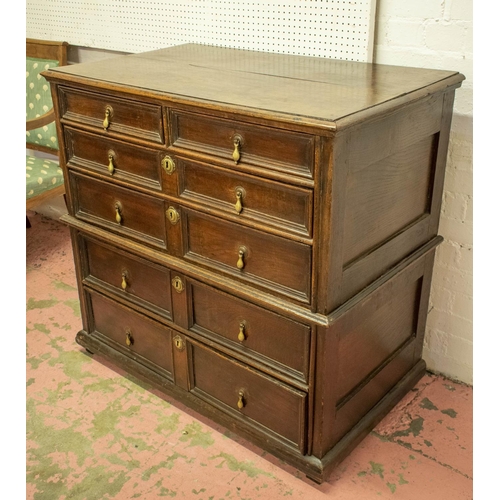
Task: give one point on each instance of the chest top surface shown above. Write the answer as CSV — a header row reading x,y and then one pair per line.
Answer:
x,y
320,89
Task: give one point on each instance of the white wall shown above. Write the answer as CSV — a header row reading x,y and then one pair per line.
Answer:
x,y
438,34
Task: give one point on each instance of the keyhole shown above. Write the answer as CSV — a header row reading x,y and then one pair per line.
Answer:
x,y
179,343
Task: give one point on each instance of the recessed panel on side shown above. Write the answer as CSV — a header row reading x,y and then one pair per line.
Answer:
x,y
370,335
386,197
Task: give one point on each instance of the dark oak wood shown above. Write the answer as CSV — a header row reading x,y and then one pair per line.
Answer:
x,y
220,316
126,117
265,202
262,399
268,261
131,164
119,209
320,92
265,147
132,277
304,340
143,339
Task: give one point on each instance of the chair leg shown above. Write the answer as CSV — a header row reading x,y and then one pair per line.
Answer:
x,y
28,224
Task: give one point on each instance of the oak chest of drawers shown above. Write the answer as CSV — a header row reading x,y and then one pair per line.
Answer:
x,y
254,233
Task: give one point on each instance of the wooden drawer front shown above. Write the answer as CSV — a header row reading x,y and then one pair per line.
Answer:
x,y
276,263
120,210
265,147
127,117
140,337
116,159
131,277
274,405
272,203
252,329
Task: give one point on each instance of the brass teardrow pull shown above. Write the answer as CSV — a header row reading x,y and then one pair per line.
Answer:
x,y
239,206
107,116
241,401
124,280
129,340
236,152
240,264
118,214
111,166
241,333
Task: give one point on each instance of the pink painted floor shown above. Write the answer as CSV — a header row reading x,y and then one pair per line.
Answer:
x,y
94,432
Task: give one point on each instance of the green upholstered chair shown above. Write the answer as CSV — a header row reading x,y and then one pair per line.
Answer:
x,y
44,177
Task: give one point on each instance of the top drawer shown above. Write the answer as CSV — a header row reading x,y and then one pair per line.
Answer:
x,y
242,143
112,115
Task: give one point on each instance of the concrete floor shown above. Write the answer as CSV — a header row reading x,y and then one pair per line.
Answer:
x,y
94,432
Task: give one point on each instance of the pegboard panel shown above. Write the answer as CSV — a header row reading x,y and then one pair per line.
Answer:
x,y
339,29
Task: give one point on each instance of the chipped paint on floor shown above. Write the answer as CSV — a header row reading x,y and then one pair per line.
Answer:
x,y
94,432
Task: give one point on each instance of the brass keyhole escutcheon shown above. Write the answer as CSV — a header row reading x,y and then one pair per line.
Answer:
x,y
241,333
239,200
241,400
179,343
107,118
111,165
118,212
173,215
168,165
177,284
124,280
129,340
240,263
237,148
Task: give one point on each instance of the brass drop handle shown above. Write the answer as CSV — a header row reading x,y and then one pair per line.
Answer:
x,y
118,214
107,116
124,280
241,400
236,152
239,196
240,264
129,340
111,166
241,333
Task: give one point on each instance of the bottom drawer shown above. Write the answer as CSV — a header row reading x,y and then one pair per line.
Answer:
x,y
277,407
143,339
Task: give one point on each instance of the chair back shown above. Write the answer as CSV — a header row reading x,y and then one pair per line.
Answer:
x,y
40,56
